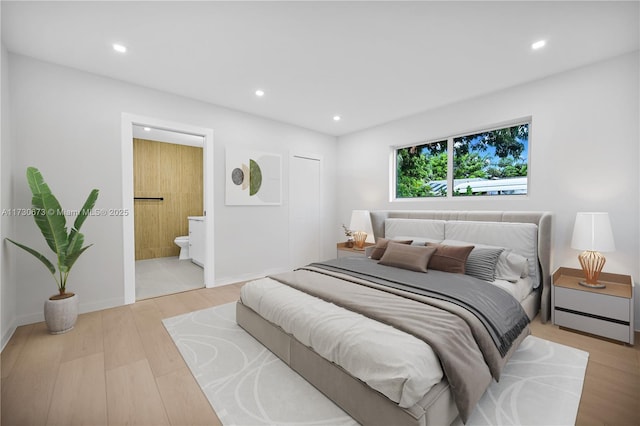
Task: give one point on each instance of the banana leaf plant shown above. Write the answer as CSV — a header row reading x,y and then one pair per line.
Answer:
x,y
51,219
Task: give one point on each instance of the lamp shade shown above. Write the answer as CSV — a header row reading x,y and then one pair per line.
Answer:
x,y
592,231
361,221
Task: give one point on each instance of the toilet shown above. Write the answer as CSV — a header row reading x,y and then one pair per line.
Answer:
x,y
183,243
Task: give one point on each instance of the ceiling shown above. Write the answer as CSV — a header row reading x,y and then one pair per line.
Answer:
x,y
369,62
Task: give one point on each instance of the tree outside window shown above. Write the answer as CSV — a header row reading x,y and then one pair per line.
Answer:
x,y
421,170
493,162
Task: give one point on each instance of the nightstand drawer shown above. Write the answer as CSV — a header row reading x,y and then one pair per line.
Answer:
x,y
594,303
596,326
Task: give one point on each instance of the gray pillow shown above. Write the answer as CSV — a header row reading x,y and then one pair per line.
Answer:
x,y
381,246
481,263
413,258
510,266
449,258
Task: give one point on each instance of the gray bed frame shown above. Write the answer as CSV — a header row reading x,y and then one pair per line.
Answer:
x,y
364,404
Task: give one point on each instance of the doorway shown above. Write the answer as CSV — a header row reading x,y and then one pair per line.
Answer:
x,y
168,208
305,206
205,137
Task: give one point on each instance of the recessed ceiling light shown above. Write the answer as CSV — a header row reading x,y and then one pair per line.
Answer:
x,y
119,48
336,118
147,129
259,93
538,44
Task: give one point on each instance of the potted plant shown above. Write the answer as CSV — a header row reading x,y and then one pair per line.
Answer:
x,y
61,310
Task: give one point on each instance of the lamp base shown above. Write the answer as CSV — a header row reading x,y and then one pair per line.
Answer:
x,y
596,285
592,263
360,237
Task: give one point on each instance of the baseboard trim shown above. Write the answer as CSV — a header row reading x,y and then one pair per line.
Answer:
x,y
83,308
6,336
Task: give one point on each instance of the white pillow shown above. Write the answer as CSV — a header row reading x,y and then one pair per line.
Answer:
x,y
511,267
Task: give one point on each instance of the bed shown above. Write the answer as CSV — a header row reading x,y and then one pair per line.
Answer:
x,y
355,327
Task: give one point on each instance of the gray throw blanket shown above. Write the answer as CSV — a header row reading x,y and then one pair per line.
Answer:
x,y
500,313
465,348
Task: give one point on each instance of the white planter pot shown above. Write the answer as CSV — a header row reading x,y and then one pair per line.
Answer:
x,y
60,315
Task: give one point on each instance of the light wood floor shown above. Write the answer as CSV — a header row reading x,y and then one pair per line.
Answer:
x,y
119,366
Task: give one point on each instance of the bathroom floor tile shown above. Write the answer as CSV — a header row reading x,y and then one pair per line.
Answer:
x,y
166,275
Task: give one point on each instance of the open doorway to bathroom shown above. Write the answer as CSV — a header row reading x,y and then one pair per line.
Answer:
x,y
205,140
168,211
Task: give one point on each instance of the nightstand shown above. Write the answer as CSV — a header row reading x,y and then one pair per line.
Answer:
x,y
606,312
344,251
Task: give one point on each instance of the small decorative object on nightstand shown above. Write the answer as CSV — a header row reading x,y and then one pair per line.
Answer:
x,y
592,233
606,312
349,234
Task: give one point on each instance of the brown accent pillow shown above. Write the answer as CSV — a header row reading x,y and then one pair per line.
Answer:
x,y
413,258
449,258
381,246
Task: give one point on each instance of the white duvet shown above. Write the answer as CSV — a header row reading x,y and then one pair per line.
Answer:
x,y
397,364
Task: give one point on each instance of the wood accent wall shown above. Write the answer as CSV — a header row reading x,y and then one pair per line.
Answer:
x,y
173,172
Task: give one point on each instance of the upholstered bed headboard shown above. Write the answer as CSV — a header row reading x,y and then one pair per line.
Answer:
x,y
541,219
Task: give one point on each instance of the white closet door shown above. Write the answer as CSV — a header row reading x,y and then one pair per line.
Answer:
x,y
305,238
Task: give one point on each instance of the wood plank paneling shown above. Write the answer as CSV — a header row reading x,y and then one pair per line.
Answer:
x,y
173,172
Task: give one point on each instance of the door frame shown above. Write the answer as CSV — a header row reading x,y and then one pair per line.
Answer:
x,y
128,229
320,159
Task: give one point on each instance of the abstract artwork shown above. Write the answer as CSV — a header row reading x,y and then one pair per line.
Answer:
x,y
253,178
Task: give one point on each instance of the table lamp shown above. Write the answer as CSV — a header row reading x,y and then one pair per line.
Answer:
x,y
592,233
361,227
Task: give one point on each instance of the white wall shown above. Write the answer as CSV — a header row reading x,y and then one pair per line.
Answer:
x,y
67,123
8,284
584,150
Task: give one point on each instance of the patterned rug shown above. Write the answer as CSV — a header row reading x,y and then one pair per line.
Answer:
x,y
247,385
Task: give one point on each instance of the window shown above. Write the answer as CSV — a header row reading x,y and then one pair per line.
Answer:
x,y
491,162
421,171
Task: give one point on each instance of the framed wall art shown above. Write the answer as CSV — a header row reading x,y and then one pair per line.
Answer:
x,y
253,178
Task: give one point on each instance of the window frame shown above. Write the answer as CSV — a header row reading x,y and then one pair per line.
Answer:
x,y
393,175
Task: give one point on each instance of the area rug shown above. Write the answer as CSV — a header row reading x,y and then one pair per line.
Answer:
x,y
247,385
